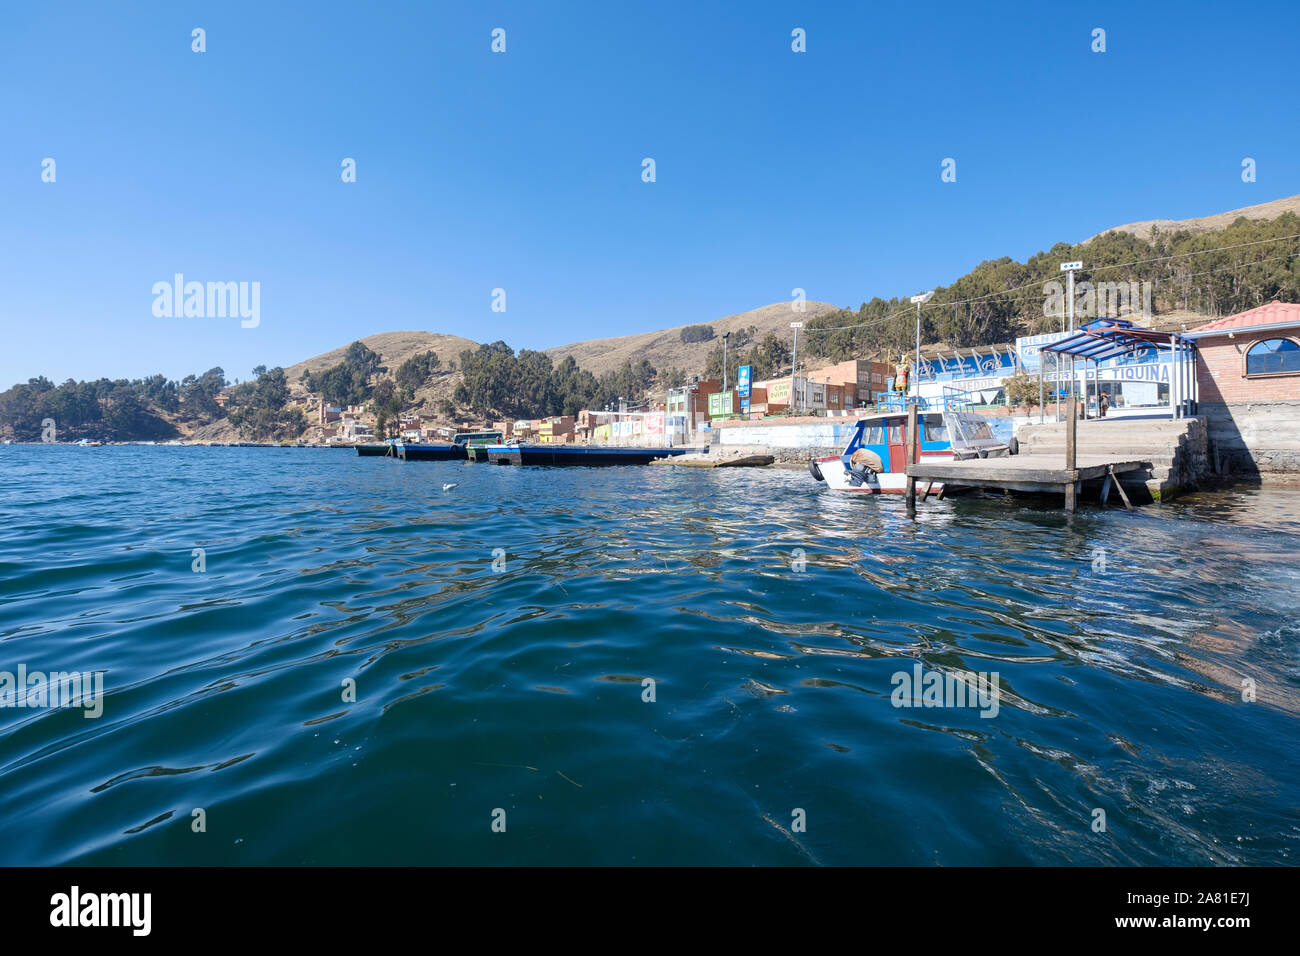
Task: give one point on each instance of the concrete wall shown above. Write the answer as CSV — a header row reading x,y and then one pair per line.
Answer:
x,y
1254,437
798,441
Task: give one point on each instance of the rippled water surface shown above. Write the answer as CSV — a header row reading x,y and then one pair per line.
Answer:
x,y
771,615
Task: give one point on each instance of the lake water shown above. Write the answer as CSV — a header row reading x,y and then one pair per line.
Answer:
x,y
500,634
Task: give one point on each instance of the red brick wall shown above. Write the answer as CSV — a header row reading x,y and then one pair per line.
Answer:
x,y
1221,372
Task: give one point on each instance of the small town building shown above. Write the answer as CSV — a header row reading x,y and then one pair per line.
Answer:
x,y
350,429
687,408
556,429
1248,387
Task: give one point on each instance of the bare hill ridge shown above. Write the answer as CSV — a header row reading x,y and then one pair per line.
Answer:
x,y
1221,220
664,348
393,348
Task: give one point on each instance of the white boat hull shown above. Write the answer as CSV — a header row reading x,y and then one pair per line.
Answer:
x,y
838,478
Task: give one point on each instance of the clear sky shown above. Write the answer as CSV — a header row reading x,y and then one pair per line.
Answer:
x,y
522,170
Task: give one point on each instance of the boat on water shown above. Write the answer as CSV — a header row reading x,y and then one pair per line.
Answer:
x,y
476,444
464,445
874,461
387,449
87,443
557,455
411,451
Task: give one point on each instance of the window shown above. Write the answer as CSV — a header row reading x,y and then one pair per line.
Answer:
x,y
896,434
875,435
1273,357
935,431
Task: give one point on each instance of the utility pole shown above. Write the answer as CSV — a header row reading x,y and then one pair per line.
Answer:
x,y
726,337
916,356
794,368
1069,269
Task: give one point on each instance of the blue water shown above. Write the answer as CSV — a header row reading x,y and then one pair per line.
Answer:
x,y
1121,642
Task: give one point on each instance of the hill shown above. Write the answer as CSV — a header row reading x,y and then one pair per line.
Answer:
x,y
393,348
1195,269
664,348
1268,210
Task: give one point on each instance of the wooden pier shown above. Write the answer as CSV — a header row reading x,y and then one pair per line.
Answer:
x,y
1036,473
1063,473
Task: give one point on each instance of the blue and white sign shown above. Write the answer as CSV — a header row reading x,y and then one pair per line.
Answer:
x,y
742,384
1028,348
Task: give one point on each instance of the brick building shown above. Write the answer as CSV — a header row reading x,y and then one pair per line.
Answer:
x,y
558,429
1248,387
688,408
845,385
862,381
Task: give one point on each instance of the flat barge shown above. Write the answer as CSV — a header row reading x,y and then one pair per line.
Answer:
x,y
431,452
561,455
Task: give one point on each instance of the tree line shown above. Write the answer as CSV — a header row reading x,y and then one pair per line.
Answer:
x,y
143,409
496,380
1001,299
995,302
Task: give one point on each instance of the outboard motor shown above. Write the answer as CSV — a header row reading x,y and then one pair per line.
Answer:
x,y
860,473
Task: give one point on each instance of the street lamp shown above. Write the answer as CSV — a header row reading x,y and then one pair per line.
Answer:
x,y
794,369
916,357
1069,269
726,337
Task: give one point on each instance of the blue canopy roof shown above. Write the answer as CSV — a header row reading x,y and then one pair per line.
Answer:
x,y
1107,339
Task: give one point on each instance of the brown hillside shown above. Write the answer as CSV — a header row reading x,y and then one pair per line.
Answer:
x,y
664,348
1267,210
393,348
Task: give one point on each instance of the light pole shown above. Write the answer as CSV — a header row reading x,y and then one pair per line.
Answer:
x,y
1069,269
726,337
916,357
794,368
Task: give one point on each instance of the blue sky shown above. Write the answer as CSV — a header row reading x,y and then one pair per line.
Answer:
x,y
522,170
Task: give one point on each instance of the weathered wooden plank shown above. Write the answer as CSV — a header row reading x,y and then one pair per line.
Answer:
x,y
1122,493
1037,487
990,475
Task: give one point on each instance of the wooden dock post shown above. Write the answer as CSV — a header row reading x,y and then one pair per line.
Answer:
x,y
1071,448
912,445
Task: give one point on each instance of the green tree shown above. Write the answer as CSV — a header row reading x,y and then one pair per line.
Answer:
x,y
696,333
260,408
415,372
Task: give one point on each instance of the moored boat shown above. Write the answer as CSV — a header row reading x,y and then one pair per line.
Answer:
x,y
411,451
875,459
560,455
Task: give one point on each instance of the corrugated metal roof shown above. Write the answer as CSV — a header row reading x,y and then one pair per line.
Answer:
x,y
1275,313
1108,338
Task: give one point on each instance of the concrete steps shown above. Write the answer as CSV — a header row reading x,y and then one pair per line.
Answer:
x,y
1176,452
